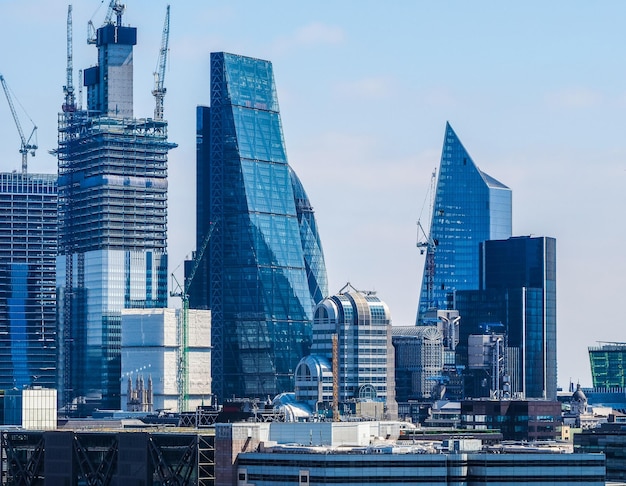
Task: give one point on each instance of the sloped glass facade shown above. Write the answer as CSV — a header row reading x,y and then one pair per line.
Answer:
x,y
469,207
263,270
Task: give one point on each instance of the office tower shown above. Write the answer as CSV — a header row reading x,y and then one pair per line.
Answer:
x,y
28,246
113,215
365,359
263,270
517,298
419,362
469,207
608,365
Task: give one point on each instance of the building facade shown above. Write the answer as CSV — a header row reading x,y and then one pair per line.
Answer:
x,y
517,299
152,347
608,439
263,271
608,363
28,247
108,456
112,231
521,420
419,362
356,453
352,336
469,207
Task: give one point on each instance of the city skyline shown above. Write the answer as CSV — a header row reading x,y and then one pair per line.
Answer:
x,y
535,92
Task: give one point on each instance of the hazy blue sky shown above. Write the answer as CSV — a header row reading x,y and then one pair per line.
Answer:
x,y
535,90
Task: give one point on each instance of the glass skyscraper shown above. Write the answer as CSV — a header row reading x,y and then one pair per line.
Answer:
x,y
608,365
518,295
469,207
113,215
263,271
28,247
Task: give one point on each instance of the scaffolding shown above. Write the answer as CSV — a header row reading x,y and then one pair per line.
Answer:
x,y
112,196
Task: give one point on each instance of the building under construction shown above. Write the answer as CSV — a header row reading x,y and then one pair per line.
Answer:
x,y
113,215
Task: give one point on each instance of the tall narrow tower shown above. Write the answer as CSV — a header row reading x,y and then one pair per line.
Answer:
x,y
470,207
28,241
113,215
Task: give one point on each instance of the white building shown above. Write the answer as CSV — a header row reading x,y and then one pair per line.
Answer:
x,y
32,408
365,363
152,348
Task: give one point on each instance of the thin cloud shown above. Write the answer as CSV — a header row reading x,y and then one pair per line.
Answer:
x,y
310,35
317,33
576,98
367,88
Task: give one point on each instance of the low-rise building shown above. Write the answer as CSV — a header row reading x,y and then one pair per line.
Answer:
x,y
516,419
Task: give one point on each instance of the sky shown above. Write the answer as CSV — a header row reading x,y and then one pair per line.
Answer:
x,y
536,91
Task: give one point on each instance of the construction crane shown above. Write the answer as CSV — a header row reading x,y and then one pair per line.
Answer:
x,y
426,243
28,145
182,291
159,74
335,364
69,105
114,7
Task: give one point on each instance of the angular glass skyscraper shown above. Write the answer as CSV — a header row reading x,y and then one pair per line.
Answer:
x,y
113,215
28,247
263,271
469,207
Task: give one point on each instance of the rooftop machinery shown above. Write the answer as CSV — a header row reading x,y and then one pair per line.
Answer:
x,y
27,145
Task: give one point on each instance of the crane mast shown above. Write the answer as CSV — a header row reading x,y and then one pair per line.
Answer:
x,y
26,145
426,243
182,291
159,74
114,7
69,104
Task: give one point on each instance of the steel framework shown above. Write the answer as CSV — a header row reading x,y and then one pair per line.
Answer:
x,y
103,458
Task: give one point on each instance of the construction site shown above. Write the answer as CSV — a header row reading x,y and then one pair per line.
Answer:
x,y
112,212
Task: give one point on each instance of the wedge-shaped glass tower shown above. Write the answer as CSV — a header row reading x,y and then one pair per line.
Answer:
x,y
263,271
469,207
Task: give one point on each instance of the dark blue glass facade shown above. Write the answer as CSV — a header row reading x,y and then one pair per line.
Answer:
x,y
469,207
263,270
518,290
28,240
